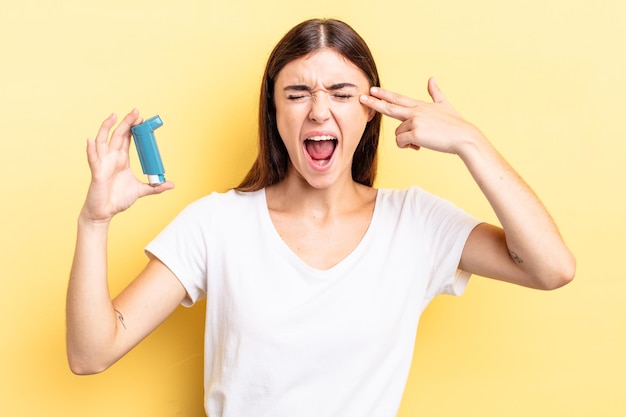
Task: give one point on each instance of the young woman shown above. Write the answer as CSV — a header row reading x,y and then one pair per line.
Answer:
x,y
315,280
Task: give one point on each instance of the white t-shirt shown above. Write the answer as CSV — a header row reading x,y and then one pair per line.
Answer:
x,y
284,339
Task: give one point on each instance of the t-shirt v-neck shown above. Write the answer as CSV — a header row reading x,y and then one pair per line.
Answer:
x,y
277,241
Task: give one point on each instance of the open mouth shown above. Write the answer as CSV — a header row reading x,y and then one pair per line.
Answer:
x,y
320,148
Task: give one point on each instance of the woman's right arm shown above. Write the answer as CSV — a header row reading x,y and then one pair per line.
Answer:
x,y
101,330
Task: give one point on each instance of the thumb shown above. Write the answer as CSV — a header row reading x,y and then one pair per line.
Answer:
x,y
435,92
147,189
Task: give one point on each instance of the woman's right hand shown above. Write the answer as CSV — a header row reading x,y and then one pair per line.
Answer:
x,y
114,187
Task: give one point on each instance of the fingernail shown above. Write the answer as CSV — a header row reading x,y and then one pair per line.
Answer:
x,y
364,98
374,90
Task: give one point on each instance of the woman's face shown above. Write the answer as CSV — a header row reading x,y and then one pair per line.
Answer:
x,y
319,116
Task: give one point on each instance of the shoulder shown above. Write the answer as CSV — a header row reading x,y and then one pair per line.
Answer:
x,y
416,205
414,197
224,201
219,208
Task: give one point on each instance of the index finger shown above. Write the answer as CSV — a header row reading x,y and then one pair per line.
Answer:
x,y
391,97
390,104
122,133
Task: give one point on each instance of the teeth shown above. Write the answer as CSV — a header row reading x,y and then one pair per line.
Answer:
x,y
321,138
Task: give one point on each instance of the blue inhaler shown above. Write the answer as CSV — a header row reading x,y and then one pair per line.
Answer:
x,y
148,151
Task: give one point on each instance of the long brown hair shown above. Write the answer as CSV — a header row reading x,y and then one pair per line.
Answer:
x,y
309,36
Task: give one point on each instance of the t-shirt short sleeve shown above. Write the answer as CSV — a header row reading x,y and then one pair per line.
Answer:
x,y
448,227
182,247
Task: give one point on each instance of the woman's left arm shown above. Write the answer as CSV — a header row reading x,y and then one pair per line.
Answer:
x,y
528,250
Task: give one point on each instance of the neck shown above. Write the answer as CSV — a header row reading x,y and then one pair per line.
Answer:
x,y
294,195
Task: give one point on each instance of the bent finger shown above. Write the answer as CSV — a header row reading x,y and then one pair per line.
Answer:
x,y
92,153
102,137
405,141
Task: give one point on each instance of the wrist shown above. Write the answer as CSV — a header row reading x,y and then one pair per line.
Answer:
x,y
85,219
473,144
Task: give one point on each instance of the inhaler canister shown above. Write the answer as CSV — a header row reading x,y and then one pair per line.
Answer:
x,y
148,151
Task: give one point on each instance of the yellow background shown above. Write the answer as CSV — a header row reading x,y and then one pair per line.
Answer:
x,y
544,79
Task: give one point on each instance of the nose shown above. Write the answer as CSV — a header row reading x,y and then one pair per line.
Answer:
x,y
320,108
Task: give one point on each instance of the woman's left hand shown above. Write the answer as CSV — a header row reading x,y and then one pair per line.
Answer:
x,y
436,126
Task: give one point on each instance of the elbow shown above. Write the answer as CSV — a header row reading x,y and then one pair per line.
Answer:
x,y
82,371
560,274
84,365
556,282
86,357
85,369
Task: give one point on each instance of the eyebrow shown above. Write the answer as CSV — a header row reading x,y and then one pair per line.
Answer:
x,y
334,87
